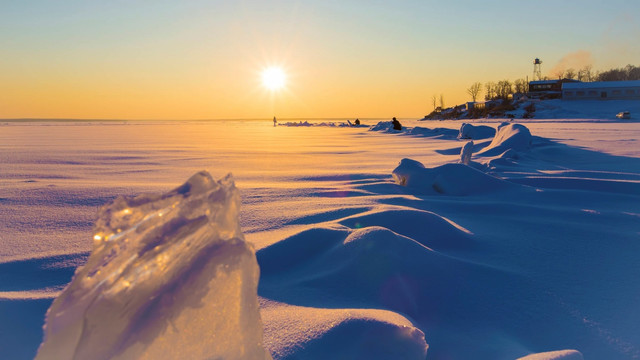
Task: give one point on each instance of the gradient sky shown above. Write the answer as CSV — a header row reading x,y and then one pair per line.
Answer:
x,y
202,59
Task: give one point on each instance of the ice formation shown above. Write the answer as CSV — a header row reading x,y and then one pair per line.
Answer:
x,y
170,277
465,153
468,131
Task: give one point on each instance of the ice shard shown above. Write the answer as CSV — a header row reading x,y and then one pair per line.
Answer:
x,y
170,277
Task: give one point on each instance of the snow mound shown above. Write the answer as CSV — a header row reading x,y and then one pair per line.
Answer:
x,y
439,133
468,131
170,276
293,123
466,152
514,137
369,263
352,333
385,126
555,355
425,227
321,124
448,179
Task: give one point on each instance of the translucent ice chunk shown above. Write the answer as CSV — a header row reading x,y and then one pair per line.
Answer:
x,y
170,277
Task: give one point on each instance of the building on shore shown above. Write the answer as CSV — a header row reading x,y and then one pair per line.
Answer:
x,y
602,90
548,89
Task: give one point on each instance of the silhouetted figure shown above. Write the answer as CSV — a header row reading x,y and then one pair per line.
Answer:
x,y
357,122
396,124
274,121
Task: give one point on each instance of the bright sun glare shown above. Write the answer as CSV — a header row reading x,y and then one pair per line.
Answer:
x,y
273,78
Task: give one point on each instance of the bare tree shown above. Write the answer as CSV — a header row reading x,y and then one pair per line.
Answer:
x,y
441,101
504,89
433,102
586,74
570,73
521,86
559,74
633,72
474,90
490,90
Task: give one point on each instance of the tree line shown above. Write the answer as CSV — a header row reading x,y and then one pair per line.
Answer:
x,y
502,89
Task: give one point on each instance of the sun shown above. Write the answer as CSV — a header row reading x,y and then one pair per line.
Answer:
x,y
273,78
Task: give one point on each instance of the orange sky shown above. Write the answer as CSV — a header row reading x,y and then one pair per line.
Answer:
x,y
202,60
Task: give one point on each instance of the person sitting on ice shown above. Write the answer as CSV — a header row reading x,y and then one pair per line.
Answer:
x,y
396,124
357,122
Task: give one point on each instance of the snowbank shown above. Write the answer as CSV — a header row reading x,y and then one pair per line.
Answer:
x,y
514,137
322,124
170,277
448,179
385,126
468,131
439,133
339,333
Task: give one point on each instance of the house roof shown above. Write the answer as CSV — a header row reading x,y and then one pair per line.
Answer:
x,y
542,82
601,84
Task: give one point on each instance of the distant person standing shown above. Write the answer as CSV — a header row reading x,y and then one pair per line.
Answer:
x,y
275,122
396,124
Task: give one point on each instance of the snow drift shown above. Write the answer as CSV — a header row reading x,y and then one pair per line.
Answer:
x,y
448,179
468,131
385,126
170,276
514,137
438,133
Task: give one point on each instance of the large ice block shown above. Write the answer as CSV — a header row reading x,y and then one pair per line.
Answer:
x,y
170,277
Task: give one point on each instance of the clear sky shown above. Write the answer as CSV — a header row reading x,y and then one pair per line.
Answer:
x,y
196,59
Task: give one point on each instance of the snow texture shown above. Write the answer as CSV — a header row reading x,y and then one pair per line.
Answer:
x,y
475,132
437,133
384,126
529,260
466,152
514,137
170,276
448,179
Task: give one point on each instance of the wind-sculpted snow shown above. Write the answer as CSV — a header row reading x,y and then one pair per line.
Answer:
x,y
344,333
514,137
364,265
427,228
448,179
539,255
437,133
475,132
384,126
320,124
466,152
170,277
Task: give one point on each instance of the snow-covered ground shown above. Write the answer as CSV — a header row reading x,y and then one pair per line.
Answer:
x,y
531,248
579,110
